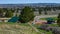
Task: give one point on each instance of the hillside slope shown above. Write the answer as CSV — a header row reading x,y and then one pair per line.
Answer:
x,y
15,28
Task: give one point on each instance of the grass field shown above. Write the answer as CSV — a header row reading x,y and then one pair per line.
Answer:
x,y
16,28
43,31
20,28
55,18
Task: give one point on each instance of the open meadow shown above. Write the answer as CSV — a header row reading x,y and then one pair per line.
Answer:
x,y
21,28
16,28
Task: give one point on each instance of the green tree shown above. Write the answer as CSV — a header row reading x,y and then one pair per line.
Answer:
x,y
58,20
45,11
9,14
1,12
40,10
27,15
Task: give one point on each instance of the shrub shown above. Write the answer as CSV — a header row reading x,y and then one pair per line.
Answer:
x,y
9,14
56,30
58,20
26,15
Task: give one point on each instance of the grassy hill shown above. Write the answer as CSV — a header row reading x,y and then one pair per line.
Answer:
x,y
16,28
21,28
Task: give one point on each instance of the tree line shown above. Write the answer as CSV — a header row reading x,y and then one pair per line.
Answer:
x,y
9,11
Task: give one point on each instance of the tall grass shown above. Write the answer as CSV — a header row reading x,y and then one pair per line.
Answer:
x,y
16,28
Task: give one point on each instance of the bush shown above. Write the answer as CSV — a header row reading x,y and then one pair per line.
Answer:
x,y
9,14
45,27
26,15
58,20
56,30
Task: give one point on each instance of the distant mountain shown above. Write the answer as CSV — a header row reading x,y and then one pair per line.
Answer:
x,y
30,4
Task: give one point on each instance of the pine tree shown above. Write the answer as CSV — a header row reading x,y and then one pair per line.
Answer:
x,y
9,14
58,20
27,15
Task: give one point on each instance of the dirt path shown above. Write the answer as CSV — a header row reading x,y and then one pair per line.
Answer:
x,y
36,29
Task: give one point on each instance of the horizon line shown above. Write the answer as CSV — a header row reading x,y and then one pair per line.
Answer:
x,y
27,3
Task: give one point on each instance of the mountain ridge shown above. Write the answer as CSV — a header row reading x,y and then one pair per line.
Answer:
x,y
30,4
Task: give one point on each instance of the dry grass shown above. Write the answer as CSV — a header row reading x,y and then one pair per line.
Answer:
x,y
16,29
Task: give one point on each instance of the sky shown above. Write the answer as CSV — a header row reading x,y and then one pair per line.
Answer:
x,y
27,1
